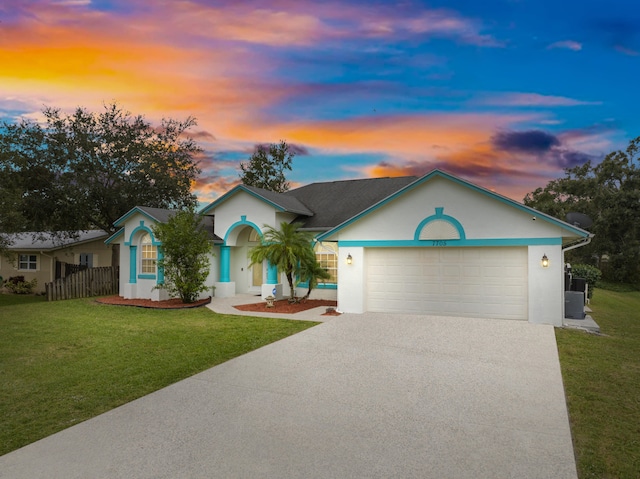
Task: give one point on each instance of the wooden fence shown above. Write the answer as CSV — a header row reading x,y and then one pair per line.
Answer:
x,y
83,284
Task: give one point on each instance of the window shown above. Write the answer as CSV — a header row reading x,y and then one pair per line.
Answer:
x,y
254,237
86,259
28,262
327,256
149,255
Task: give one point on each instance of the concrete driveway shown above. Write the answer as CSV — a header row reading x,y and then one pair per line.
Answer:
x,y
359,396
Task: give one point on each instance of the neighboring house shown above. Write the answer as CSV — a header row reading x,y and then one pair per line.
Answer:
x,y
434,245
43,256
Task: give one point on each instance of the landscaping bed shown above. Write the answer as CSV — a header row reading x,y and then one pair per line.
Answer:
x,y
284,306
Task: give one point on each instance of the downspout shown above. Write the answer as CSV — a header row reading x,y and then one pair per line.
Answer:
x,y
579,244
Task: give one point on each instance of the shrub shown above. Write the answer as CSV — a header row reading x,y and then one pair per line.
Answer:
x,y
186,245
18,285
590,273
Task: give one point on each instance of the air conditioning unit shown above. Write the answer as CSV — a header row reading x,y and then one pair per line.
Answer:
x,y
574,304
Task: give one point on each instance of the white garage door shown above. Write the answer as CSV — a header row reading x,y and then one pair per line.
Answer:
x,y
475,282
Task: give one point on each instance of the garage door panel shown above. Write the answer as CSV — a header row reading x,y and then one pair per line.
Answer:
x,y
481,282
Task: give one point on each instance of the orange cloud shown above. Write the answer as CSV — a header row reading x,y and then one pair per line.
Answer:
x,y
400,136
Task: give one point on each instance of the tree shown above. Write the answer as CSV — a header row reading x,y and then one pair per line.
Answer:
x,y
284,248
266,167
311,271
610,194
185,249
85,170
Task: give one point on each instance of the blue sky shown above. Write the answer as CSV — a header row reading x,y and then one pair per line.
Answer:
x,y
504,93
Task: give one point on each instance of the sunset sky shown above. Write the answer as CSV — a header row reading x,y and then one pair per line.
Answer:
x,y
503,93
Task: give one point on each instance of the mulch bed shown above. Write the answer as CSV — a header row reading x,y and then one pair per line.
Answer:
x,y
283,306
175,303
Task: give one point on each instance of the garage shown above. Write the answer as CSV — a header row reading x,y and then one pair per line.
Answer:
x,y
486,282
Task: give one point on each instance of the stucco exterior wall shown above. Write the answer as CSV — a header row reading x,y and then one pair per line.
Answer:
x,y
482,217
44,273
486,221
546,285
351,280
132,285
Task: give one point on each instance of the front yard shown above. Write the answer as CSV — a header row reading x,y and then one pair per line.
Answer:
x,y
602,382
64,362
67,361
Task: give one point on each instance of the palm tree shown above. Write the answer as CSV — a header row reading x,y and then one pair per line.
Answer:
x,y
284,248
312,271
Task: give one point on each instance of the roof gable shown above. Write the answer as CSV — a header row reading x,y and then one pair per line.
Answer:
x,y
160,215
280,201
441,174
337,201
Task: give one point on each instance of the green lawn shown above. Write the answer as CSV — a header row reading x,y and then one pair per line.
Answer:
x,y
64,362
602,382
67,361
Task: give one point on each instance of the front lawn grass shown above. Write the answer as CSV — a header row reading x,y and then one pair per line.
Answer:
x,y
602,382
67,361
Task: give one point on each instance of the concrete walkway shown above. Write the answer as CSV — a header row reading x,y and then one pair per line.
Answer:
x,y
360,396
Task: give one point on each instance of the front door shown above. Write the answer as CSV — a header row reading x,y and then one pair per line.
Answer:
x,y
256,275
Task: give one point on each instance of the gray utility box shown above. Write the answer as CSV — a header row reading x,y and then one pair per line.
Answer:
x,y
574,304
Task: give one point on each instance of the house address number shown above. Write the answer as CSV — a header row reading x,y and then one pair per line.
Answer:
x,y
438,243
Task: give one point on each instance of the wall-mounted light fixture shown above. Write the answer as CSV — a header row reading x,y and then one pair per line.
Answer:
x,y
349,259
545,261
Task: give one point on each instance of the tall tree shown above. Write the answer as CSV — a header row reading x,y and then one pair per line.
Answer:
x,y
266,167
185,248
609,193
85,170
284,248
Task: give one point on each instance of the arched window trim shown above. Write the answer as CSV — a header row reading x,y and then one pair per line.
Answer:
x,y
148,256
440,216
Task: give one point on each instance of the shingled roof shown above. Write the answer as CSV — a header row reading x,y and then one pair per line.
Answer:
x,y
334,202
162,215
289,203
44,241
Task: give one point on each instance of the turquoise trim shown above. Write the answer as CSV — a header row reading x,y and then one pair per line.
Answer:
x,y
272,273
160,269
130,213
305,284
243,222
111,238
225,264
451,243
440,216
438,173
133,262
146,229
146,276
232,193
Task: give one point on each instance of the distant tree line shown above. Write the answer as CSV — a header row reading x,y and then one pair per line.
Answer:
x,y
609,193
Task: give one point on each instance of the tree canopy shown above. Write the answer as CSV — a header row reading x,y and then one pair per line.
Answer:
x,y
85,170
609,193
185,249
266,167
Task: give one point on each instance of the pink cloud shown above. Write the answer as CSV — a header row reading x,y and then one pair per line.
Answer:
x,y
530,99
626,51
567,44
